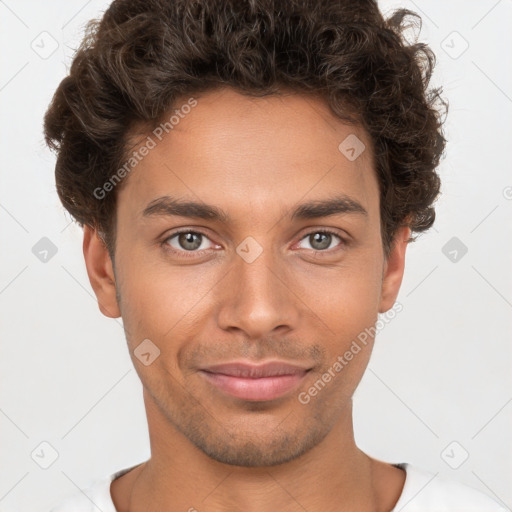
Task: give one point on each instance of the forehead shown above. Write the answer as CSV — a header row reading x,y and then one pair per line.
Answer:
x,y
247,152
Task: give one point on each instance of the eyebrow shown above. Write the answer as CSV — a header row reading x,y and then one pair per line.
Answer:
x,y
170,206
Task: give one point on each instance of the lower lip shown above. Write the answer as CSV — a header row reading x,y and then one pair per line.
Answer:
x,y
264,388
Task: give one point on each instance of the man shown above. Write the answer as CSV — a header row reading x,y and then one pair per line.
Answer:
x,y
248,175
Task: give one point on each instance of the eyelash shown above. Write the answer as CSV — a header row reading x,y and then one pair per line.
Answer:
x,y
192,254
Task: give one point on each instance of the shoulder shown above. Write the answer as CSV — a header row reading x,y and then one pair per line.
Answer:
x,y
424,491
91,499
96,496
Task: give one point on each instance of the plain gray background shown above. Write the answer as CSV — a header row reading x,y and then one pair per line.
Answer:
x,y
438,388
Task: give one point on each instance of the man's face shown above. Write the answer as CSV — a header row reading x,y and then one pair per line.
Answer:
x,y
261,284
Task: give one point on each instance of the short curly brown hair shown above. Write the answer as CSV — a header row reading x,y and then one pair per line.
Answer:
x,y
135,62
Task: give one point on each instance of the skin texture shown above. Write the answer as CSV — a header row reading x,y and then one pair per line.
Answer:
x,y
256,159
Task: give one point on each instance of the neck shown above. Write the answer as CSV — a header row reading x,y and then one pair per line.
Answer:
x,y
333,476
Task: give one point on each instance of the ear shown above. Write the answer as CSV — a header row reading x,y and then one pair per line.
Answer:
x,y
394,269
100,272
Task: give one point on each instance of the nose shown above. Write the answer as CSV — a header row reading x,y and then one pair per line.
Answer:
x,y
257,297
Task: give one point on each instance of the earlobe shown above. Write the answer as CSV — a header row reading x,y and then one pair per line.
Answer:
x,y
100,272
394,270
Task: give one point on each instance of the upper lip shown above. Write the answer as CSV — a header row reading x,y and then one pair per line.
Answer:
x,y
255,371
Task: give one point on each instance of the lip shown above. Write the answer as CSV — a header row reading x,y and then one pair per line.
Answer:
x,y
252,382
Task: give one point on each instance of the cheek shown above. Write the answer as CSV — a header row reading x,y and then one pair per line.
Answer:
x,y
346,302
159,302
343,297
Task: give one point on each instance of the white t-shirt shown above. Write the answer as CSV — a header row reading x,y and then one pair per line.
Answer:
x,y
422,492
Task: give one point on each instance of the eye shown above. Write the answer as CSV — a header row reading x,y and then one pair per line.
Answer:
x,y
189,243
186,241
321,240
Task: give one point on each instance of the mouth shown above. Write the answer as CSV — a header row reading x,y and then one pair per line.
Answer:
x,y
252,382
